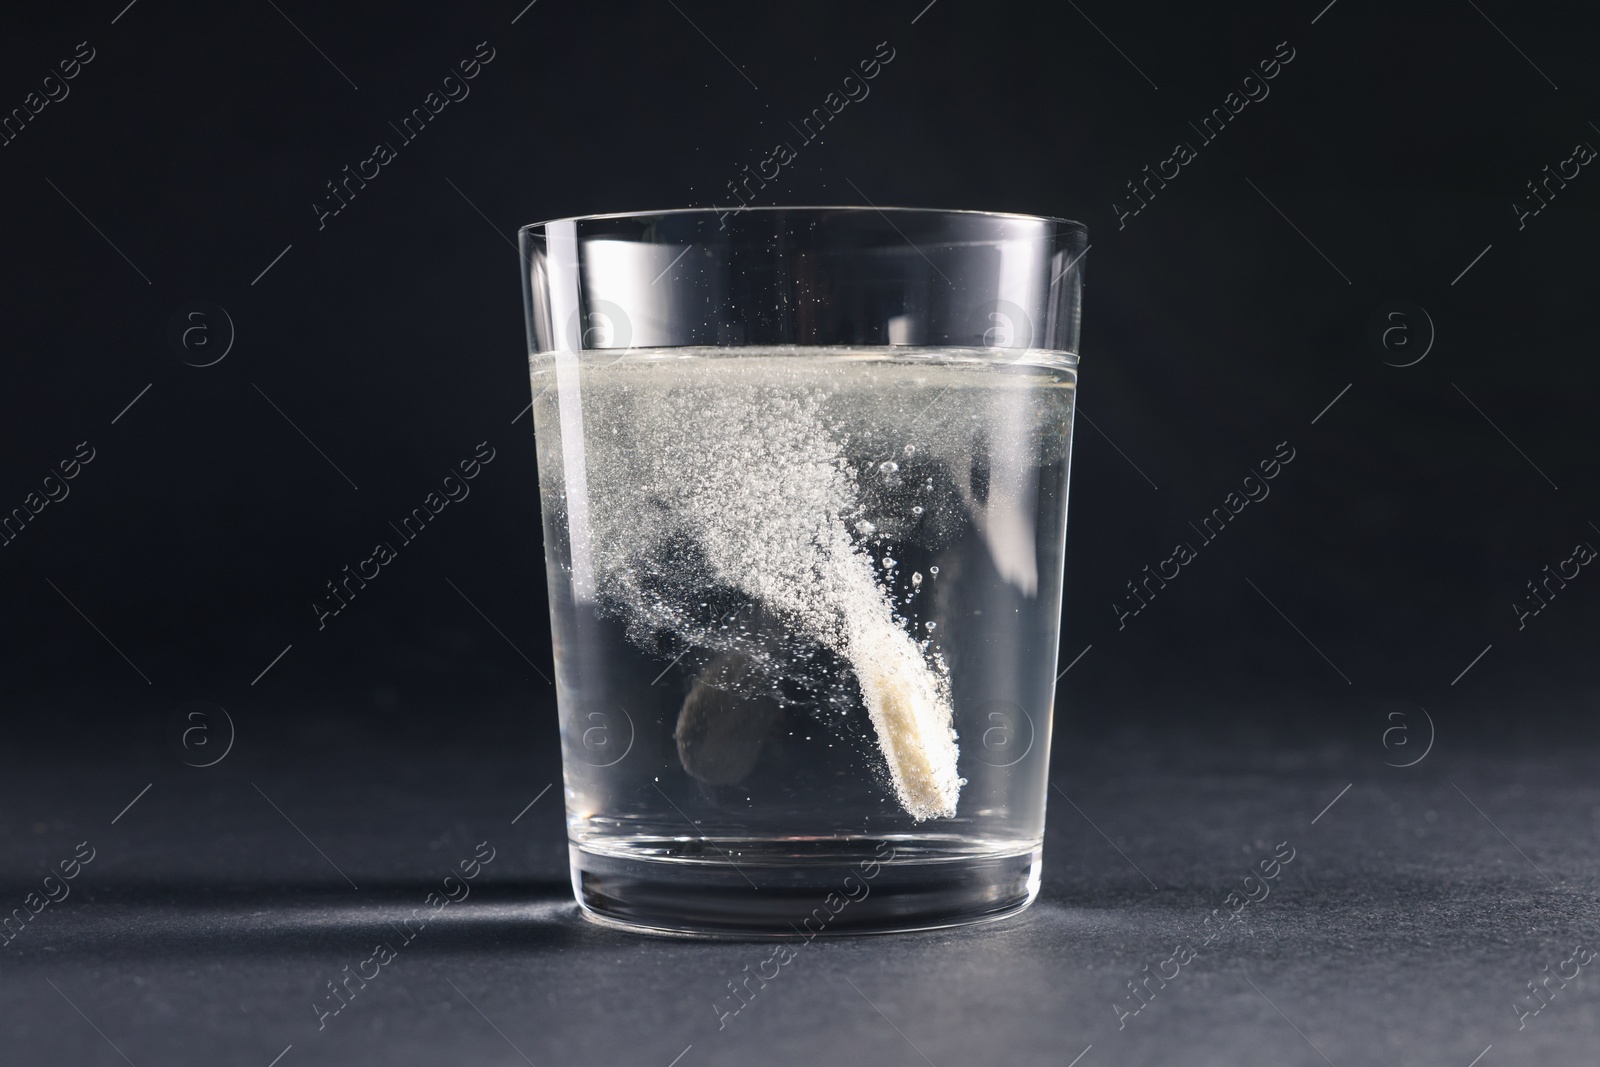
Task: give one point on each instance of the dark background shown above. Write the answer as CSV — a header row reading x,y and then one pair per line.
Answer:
x,y
377,351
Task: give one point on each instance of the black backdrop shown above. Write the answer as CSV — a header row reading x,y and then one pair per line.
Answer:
x,y
174,187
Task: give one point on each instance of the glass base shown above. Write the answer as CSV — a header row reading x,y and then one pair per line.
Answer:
x,y
772,890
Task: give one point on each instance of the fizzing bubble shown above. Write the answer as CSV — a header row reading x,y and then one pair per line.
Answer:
x,y
714,476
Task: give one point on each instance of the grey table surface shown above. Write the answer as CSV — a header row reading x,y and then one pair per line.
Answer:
x,y
1419,905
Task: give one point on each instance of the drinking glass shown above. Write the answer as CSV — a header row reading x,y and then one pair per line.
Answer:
x,y
804,485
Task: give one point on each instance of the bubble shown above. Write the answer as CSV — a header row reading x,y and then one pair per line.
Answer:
x,y
785,483
934,571
931,626
917,509
916,579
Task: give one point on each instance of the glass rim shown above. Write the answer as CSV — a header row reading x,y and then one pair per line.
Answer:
x,y
815,208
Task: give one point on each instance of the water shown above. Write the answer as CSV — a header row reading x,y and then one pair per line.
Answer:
x,y
804,602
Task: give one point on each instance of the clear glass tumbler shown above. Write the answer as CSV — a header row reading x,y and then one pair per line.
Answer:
x,y
804,482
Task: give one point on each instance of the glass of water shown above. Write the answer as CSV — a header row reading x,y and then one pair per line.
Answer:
x,y
804,482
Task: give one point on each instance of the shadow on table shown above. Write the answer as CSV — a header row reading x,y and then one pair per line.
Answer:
x,y
157,920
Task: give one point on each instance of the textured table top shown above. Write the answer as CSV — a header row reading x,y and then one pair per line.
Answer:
x,y
1419,904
